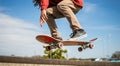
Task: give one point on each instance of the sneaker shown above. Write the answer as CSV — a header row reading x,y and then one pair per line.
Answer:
x,y
58,39
77,35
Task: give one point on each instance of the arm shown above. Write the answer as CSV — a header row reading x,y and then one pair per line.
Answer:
x,y
43,17
43,4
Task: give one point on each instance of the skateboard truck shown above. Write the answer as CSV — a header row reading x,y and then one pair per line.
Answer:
x,y
54,45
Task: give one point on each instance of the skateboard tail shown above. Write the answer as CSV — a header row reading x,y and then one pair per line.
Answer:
x,y
45,39
93,39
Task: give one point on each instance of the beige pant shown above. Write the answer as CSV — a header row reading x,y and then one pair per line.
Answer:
x,y
65,8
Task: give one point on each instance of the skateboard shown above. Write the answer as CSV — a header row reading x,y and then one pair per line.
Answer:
x,y
54,43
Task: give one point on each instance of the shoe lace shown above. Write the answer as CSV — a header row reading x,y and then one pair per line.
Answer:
x,y
72,34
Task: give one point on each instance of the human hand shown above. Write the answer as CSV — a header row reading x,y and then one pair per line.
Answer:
x,y
43,17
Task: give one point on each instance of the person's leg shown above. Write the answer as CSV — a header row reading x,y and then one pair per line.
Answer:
x,y
52,14
69,9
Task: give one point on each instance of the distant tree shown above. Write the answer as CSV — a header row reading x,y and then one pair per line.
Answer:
x,y
116,55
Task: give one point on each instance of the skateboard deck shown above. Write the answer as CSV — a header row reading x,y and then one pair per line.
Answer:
x,y
50,40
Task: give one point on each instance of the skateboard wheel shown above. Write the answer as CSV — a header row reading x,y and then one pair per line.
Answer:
x,y
48,48
91,46
80,49
60,45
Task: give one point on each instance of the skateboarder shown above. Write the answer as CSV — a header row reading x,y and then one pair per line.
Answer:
x,y
54,9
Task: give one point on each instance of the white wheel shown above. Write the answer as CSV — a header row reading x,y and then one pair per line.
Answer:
x,y
91,46
60,45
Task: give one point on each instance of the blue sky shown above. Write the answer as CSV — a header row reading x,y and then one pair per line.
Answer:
x,y
19,25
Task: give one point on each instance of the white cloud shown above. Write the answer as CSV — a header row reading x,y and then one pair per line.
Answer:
x,y
18,36
89,7
4,8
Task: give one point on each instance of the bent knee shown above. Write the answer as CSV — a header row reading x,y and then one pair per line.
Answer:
x,y
61,7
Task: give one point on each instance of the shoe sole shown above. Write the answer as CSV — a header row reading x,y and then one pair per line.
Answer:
x,y
78,38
